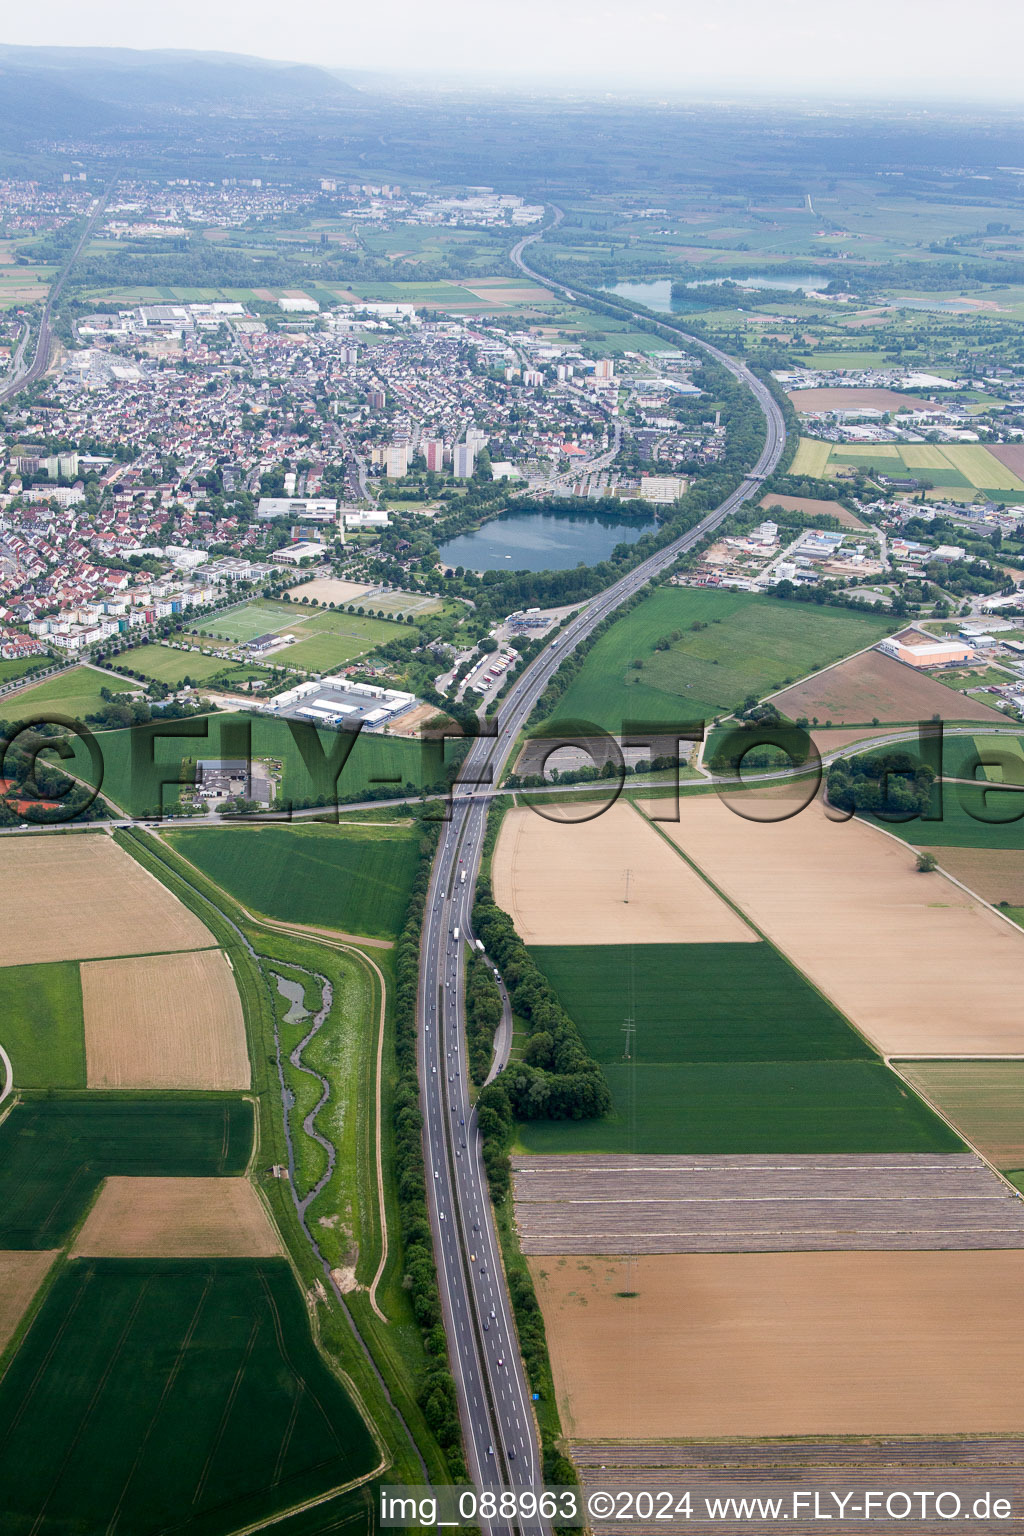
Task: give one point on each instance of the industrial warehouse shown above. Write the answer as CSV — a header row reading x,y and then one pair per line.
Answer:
x,y
337,701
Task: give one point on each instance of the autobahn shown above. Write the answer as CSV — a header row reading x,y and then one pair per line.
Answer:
x,y
41,357
500,1432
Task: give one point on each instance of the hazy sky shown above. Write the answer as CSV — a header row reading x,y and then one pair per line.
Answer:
x,y
850,47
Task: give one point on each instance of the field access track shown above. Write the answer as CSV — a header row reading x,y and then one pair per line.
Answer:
x,y
623,1205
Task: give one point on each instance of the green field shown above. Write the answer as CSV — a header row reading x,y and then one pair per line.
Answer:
x,y
184,1395
70,695
972,817
54,1153
750,1107
355,879
954,467
324,638
173,667
751,645
132,778
41,1025
696,1002
9,670
730,1051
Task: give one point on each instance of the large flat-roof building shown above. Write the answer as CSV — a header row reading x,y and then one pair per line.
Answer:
x,y
337,701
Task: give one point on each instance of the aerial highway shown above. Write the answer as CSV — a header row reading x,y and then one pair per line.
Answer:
x,y
502,1445
41,357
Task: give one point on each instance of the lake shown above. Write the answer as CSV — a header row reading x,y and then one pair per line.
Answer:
x,y
542,541
658,295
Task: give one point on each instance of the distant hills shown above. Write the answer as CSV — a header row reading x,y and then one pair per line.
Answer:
x,y
61,92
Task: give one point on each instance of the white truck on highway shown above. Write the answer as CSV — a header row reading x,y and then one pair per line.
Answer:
x,y
455,933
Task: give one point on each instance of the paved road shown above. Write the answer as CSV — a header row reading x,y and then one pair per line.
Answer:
x,y
41,360
494,1401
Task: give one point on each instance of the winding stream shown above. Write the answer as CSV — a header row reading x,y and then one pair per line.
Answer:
x,y
298,1011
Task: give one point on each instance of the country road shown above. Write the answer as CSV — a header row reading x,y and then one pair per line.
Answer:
x,y
502,1444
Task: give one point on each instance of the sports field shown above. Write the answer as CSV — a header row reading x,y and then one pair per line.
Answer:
x,y
957,468
161,1218
354,879
750,645
78,897
172,666
54,1153
196,1388
610,880
41,1025
164,1021
324,639
875,686
21,1275
912,960
983,1099
747,1345
68,696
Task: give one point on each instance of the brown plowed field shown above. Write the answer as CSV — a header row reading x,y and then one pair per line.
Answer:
x,y
73,898
21,1275
873,685
984,1100
177,1219
1010,454
785,1344
567,883
997,874
815,507
164,1021
917,964
849,399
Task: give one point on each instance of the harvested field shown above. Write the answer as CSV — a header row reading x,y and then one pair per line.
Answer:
x,y
327,589
611,880
74,898
1010,454
997,874
785,1344
770,1469
21,1275
871,686
805,400
917,964
984,1100
164,1021
177,1219
762,1204
815,507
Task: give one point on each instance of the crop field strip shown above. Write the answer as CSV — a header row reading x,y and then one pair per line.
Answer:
x,y
875,686
607,880
775,1468
624,1205
164,1021
157,1218
681,1346
54,1153
21,1275
983,1099
41,1025
71,898
942,975
197,1389
730,1052
951,466
352,879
